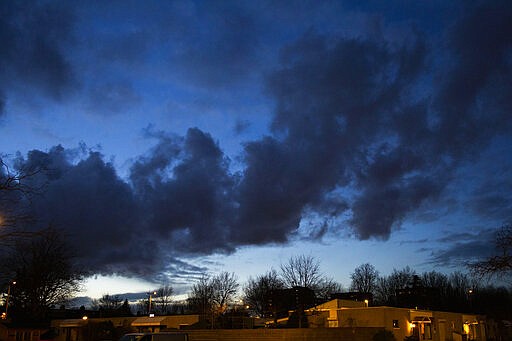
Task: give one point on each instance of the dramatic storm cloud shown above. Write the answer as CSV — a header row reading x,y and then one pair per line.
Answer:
x,y
32,58
253,131
349,112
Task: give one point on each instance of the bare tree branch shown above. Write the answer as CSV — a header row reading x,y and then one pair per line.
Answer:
x,y
301,271
225,286
200,299
43,269
258,292
17,187
364,278
163,299
499,265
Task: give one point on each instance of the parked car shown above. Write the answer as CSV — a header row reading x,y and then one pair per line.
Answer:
x,y
165,336
131,337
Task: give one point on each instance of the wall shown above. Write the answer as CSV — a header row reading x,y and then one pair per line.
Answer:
x,y
377,317
305,334
450,326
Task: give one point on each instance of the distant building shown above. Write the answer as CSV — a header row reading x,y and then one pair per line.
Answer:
x,y
292,299
23,331
112,328
326,321
402,322
160,323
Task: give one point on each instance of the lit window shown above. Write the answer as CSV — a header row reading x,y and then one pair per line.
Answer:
x,y
395,324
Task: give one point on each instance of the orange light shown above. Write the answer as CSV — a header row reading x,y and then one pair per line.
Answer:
x,y
466,328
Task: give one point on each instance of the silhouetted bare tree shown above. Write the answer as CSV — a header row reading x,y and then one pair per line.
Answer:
x,y
325,288
258,292
304,271
225,286
200,299
435,279
163,299
301,271
16,189
364,278
44,272
387,286
499,265
211,295
106,302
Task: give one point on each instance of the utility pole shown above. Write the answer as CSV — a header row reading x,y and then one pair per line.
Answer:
x,y
149,305
4,315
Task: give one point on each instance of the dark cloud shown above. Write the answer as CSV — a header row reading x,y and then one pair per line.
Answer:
x,y
468,114
367,129
348,113
182,271
34,38
179,202
57,50
241,126
227,54
191,202
335,126
492,199
460,249
88,199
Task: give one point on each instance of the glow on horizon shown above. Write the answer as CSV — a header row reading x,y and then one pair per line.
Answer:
x,y
338,259
97,286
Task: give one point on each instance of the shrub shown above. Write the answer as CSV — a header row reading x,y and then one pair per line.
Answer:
x,y
384,335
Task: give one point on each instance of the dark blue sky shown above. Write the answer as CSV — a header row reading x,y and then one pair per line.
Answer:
x,y
190,136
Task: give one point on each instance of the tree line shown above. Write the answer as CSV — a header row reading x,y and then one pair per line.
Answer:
x,y
432,290
38,272
46,277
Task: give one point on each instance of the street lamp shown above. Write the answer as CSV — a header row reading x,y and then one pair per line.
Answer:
x,y
149,306
4,315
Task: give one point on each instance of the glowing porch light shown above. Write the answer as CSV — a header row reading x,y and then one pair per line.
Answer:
x,y
466,328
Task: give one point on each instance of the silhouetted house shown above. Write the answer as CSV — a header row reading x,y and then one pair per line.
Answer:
x,y
22,331
70,329
25,329
292,299
160,323
111,328
346,316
